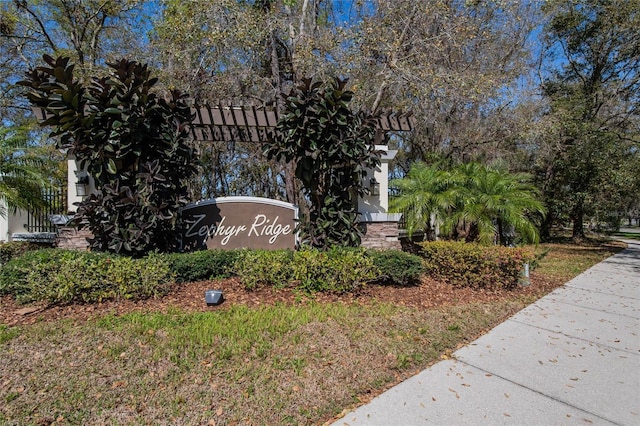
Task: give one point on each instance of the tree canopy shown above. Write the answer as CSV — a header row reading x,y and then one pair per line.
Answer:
x,y
592,128
551,88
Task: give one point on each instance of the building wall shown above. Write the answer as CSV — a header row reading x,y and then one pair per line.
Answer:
x,y
380,228
373,204
13,223
71,238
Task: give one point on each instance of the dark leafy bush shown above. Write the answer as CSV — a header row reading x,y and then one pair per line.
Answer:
x,y
202,265
331,148
473,265
396,267
14,249
338,270
132,142
264,267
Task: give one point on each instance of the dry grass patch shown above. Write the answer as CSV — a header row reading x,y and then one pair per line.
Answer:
x,y
272,365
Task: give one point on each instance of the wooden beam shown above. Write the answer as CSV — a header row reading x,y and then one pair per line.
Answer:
x,y
250,124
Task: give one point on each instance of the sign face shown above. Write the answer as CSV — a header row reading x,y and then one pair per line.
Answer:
x,y
239,222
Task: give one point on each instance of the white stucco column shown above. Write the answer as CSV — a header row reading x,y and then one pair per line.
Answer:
x,y
74,176
374,208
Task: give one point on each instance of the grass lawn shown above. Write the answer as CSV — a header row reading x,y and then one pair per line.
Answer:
x,y
298,363
628,235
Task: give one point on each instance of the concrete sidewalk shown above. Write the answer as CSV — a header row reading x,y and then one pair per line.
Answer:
x,y
573,357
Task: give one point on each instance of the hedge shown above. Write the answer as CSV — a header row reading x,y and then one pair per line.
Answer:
x,y
474,265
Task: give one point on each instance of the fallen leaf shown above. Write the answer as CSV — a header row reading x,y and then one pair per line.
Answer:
x,y
27,311
118,384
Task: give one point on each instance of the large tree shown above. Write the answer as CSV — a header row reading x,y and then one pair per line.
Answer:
x,y
592,128
454,64
245,52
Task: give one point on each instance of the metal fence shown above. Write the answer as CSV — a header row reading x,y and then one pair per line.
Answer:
x,y
38,220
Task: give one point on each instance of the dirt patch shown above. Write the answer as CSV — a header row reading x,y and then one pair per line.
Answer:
x,y
189,297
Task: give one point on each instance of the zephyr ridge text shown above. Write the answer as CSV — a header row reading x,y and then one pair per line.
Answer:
x,y
261,227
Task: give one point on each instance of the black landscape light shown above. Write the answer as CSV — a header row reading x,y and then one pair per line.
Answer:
x,y
213,297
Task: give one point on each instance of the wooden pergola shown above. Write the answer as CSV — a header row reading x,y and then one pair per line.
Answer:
x,y
253,124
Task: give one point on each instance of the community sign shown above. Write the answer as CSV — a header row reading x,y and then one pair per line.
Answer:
x,y
239,222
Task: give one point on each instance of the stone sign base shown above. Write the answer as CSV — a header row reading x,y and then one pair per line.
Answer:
x,y
380,235
71,238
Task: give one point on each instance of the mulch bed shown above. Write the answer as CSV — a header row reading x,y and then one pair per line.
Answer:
x,y
189,297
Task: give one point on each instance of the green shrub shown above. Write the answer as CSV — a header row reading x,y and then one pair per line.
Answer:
x,y
90,278
202,265
64,276
338,270
396,267
264,267
474,265
14,273
14,249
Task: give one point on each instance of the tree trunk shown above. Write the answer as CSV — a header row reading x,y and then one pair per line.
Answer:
x,y
578,223
545,227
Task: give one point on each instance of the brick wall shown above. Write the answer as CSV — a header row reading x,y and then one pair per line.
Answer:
x,y
71,238
381,235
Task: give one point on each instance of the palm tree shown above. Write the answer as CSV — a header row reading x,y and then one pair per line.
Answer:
x,y
23,173
494,201
488,202
424,197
